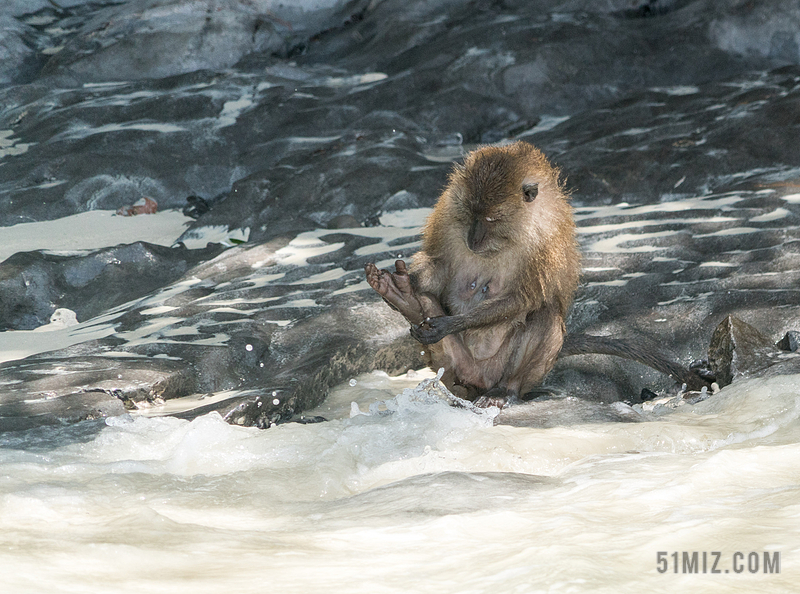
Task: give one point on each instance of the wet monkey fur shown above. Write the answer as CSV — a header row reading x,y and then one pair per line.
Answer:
x,y
491,287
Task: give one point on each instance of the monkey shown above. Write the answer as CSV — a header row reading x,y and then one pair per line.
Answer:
x,y
490,290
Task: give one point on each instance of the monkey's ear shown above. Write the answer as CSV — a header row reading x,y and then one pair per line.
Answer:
x,y
529,191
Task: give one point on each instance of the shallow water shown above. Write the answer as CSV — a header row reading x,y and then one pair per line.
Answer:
x,y
415,495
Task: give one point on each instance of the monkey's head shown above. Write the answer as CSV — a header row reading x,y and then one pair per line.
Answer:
x,y
506,197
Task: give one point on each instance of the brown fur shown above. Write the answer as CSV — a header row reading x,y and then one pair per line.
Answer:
x,y
491,287
533,256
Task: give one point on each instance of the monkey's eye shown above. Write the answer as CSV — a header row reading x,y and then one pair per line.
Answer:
x,y
529,191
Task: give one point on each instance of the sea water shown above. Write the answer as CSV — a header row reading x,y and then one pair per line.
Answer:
x,y
400,491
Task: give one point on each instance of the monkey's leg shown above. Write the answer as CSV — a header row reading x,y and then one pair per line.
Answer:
x,y
461,367
533,351
396,290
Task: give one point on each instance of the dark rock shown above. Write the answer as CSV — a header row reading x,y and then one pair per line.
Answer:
x,y
34,284
647,395
15,51
196,207
702,368
143,39
790,341
737,349
48,390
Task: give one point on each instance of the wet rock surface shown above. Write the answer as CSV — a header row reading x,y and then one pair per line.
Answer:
x,y
738,350
32,282
320,133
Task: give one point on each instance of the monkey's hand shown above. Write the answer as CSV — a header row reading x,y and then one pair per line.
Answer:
x,y
432,329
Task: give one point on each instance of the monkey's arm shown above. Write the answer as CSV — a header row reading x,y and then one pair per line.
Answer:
x,y
633,349
488,313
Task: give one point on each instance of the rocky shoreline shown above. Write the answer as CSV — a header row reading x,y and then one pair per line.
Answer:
x,y
305,142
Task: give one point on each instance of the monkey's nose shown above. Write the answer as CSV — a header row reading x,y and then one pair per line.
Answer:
x,y
477,234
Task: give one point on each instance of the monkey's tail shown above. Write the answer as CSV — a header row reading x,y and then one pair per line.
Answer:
x,y
633,349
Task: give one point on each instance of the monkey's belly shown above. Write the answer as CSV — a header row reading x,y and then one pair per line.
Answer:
x,y
484,343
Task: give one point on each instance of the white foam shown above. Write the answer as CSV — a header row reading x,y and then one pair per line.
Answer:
x,y
580,508
324,277
9,147
77,132
358,79
18,344
722,202
231,110
305,246
729,232
617,243
90,231
200,237
411,218
547,122
614,227
718,265
775,215
677,91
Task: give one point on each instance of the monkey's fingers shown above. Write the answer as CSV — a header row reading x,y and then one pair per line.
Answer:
x,y
400,267
428,332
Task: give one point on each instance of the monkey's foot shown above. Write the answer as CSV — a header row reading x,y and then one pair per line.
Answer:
x,y
396,290
499,397
432,330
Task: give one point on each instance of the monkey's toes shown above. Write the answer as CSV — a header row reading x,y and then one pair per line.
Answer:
x,y
488,401
375,278
427,332
401,279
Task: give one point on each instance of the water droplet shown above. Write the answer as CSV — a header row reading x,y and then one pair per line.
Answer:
x,y
352,382
484,289
261,364
275,393
422,352
276,401
248,347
